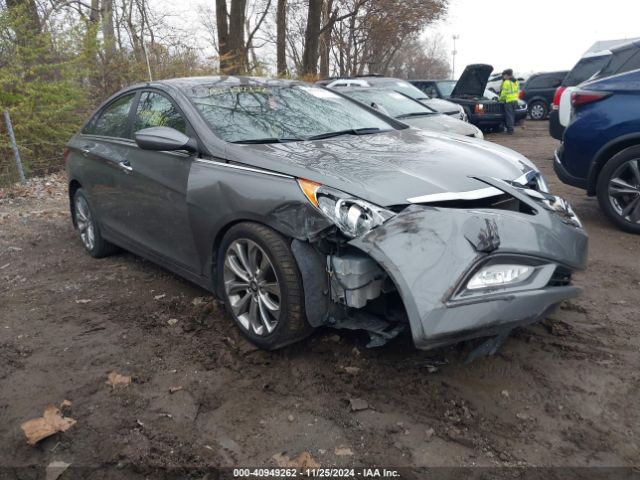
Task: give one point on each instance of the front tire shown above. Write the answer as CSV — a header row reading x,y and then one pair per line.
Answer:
x,y
618,189
538,110
262,286
88,226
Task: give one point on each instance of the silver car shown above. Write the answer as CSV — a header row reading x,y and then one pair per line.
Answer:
x,y
300,207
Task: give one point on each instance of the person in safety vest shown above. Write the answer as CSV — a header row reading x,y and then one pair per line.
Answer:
x,y
509,93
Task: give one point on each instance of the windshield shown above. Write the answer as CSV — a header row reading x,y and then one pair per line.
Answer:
x,y
261,114
404,87
446,87
389,102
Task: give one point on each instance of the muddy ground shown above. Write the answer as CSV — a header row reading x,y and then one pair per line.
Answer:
x,y
561,393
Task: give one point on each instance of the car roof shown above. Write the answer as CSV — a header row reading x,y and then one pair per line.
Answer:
x,y
431,80
217,80
538,74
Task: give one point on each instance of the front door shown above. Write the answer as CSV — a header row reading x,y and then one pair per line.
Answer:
x,y
156,187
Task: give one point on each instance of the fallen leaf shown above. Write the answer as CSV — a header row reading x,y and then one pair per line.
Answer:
x,y
55,469
160,297
303,460
172,321
175,389
50,423
352,370
83,300
116,380
343,451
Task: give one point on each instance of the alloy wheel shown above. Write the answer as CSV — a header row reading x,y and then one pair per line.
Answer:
x,y
84,221
252,287
537,111
624,191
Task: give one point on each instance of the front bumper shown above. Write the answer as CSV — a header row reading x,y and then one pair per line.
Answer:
x,y
429,253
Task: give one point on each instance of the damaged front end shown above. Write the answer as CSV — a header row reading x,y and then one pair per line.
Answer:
x,y
450,266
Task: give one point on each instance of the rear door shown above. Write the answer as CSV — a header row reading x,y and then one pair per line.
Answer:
x,y
104,146
156,186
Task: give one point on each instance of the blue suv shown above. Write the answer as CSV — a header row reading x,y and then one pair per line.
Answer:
x,y
601,146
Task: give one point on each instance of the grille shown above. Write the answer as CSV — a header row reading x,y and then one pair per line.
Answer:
x,y
493,107
560,278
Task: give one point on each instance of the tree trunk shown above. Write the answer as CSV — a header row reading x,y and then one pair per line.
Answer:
x,y
222,26
311,39
325,38
107,28
237,48
281,47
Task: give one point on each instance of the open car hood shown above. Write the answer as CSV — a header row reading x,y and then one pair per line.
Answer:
x,y
473,81
390,167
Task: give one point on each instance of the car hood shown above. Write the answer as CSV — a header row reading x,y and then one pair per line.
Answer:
x,y
389,167
442,106
441,123
473,81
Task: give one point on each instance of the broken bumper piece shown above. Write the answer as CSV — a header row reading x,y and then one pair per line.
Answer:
x,y
432,254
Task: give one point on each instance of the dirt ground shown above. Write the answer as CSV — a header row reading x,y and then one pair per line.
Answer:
x,y
561,393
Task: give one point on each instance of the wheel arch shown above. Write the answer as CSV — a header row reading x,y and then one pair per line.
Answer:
x,y
605,153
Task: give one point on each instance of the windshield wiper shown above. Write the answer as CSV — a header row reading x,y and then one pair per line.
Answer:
x,y
268,140
415,114
349,131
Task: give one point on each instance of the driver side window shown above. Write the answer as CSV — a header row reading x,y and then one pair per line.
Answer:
x,y
155,110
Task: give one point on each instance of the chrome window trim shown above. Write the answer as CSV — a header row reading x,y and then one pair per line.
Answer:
x,y
240,167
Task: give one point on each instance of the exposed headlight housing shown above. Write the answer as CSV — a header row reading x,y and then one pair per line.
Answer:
x,y
353,216
499,275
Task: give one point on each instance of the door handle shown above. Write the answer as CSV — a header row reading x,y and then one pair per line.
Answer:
x,y
125,167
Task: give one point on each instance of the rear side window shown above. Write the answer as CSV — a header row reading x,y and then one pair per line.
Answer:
x,y
551,80
156,110
112,121
621,62
585,69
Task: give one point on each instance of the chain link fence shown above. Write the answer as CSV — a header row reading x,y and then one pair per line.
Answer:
x,y
37,158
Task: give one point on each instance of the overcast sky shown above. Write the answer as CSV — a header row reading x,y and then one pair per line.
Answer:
x,y
534,35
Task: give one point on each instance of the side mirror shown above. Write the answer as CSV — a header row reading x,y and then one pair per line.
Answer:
x,y
164,139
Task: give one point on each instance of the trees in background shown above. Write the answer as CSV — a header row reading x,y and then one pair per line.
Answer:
x,y
61,58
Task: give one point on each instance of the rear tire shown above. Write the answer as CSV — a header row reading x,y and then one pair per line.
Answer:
x,y
262,286
88,226
618,189
538,110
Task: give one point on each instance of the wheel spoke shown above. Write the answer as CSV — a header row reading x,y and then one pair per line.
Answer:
x,y
242,257
635,168
240,306
268,303
272,287
264,316
233,265
233,287
252,257
618,187
253,316
630,206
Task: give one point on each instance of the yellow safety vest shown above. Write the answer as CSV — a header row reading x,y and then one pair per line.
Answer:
x,y
509,91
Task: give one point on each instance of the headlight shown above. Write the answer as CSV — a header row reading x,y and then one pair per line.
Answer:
x,y
353,216
499,275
